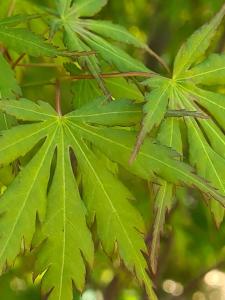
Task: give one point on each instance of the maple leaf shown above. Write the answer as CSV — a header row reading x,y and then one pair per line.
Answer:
x,y
63,234
204,130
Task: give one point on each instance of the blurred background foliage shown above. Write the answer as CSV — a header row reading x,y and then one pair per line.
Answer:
x,y
192,255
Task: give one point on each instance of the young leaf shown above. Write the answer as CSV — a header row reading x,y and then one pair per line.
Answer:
x,y
70,234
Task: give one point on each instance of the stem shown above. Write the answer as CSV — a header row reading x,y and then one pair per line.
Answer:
x,y
40,83
15,63
112,75
58,97
158,58
37,65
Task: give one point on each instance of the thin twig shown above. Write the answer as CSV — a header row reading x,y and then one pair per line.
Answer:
x,y
111,75
58,97
158,58
15,63
37,65
40,83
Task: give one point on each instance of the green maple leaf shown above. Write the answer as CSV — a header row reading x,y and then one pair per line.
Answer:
x,y
46,186
82,34
205,136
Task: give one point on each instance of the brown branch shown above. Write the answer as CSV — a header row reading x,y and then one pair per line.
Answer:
x,y
5,52
158,58
15,63
58,97
40,83
37,65
112,75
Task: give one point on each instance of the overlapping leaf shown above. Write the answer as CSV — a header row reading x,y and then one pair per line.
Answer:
x,y
63,234
83,35
204,132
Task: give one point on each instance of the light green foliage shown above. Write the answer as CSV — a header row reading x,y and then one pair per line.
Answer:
x,y
182,93
63,215
79,37
73,178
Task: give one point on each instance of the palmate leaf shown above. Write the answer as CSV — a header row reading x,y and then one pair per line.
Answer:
x,y
185,95
79,33
19,222
78,38
63,234
70,232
